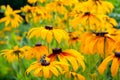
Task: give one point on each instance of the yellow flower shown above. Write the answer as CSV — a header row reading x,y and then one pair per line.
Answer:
x,y
34,1
56,6
75,75
97,42
35,13
108,23
11,17
14,54
39,50
48,33
46,68
101,6
115,58
74,38
87,19
27,52
74,57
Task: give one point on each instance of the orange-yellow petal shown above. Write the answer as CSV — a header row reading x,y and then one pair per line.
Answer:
x,y
103,65
114,66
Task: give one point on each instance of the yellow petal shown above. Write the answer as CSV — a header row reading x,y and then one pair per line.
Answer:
x,y
37,70
73,63
49,36
54,70
80,77
57,36
103,65
81,62
59,68
32,67
114,66
44,33
46,72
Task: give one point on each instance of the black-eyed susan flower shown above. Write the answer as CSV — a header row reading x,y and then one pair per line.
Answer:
x,y
39,50
115,58
97,42
71,55
16,53
73,38
87,18
75,75
35,13
46,68
56,6
101,6
11,17
48,33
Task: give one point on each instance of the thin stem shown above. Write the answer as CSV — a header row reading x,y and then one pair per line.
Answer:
x,y
48,44
104,50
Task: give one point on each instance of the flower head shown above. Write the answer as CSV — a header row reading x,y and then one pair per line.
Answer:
x,y
16,53
48,33
11,17
46,68
115,58
74,57
97,42
75,75
73,38
39,50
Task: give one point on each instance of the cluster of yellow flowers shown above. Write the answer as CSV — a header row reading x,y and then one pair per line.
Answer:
x,y
71,21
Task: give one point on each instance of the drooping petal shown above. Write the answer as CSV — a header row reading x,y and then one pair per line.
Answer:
x,y
73,62
46,72
54,70
103,65
49,36
57,36
114,66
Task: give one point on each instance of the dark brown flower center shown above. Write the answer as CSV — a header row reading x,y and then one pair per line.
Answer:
x,y
117,54
100,33
48,27
45,63
38,44
57,50
74,38
87,13
17,52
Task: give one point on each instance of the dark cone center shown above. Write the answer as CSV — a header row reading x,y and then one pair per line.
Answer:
x,y
87,13
17,52
48,27
38,44
74,38
117,54
100,33
57,50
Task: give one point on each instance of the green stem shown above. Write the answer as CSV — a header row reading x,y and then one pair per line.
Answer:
x,y
48,47
22,68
